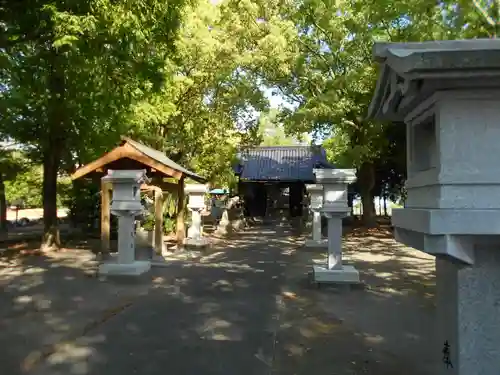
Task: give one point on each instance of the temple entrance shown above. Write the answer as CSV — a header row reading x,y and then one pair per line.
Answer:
x,y
268,199
296,198
260,200
272,179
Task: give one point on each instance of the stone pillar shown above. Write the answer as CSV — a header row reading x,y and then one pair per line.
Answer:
x,y
335,182
224,228
126,239
447,94
315,204
196,203
126,204
196,227
334,240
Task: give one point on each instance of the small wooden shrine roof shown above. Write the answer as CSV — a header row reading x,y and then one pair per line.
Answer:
x,y
134,155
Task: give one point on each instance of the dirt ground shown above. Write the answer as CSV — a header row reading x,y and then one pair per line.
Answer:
x,y
48,301
384,326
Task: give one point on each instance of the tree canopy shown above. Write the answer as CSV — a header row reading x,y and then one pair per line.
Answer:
x,y
191,77
71,70
329,75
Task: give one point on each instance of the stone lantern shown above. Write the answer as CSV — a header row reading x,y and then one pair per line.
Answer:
x,y
335,208
447,95
126,204
315,205
196,204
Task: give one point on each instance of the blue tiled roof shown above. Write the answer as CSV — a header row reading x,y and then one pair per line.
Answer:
x,y
282,163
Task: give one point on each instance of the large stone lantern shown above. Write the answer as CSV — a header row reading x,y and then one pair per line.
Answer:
x,y
126,204
196,204
447,95
335,208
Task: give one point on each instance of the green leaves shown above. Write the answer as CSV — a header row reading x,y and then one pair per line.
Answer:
x,y
330,75
109,55
208,106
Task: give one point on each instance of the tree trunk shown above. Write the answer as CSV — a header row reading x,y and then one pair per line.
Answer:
x,y
52,148
385,206
366,179
51,239
3,209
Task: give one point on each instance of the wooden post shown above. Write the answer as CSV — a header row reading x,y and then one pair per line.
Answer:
x,y
105,217
181,228
158,244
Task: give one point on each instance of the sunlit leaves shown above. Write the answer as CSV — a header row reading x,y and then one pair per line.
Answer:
x,y
209,104
110,53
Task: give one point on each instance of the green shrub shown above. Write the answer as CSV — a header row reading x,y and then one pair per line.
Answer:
x,y
148,224
169,223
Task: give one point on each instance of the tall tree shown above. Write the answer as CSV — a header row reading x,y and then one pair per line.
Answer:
x,y
207,108
331,78
71,69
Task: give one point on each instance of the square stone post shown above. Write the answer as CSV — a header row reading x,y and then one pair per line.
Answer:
x,y
315,204
335,208
196,203
126,204
447,94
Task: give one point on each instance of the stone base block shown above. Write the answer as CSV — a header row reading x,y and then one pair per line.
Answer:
x,y
314,243
129,269
223,230
345,275
196,244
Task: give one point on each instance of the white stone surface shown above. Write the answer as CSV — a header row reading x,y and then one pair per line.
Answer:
x,y
196,194
316,195
126,204
335,183
195,229
313,243
316,203
126,190
344,275
447,93
126,239
196,203
135,268
195,243
224,227
334,259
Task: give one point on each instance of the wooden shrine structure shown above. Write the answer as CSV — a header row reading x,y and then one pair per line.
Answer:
x,y
165,175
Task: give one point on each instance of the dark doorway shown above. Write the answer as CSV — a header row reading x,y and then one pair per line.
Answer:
x,y
296,196
255,197
260,200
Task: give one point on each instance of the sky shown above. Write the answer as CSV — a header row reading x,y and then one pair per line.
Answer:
x,y
276,101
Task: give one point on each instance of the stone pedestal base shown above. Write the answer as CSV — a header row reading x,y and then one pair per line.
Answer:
x,y
468,310
345,275
196,243
223,229
317,243
126,269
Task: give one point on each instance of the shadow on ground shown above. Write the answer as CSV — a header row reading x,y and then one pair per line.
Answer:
x,y
392,313
244,308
